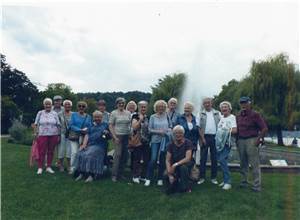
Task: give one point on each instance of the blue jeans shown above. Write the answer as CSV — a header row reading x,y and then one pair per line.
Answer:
x,y
153,161
223,160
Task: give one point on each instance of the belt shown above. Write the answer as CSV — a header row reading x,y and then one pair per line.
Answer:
x,y
254,136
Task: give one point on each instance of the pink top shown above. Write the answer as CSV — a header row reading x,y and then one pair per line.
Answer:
x,y
48,123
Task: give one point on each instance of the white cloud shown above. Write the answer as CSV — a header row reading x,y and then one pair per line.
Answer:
x,y
113,47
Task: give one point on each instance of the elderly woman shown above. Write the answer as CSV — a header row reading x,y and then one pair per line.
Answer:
x,y
224,140
64,148
188,121
47,129
90,158
102,109
140,148
119,126
172,112
79,124
131,107
179,162
160,130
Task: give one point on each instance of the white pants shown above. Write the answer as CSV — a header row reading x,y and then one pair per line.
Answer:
x,y
64,148
74,150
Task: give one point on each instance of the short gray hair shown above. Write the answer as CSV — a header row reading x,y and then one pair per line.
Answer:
x,y
189,104
97,113
47,100
67,101
226,103
172,100
178,128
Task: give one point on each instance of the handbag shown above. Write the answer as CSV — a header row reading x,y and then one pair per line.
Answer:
x,y
74,135
134,140
34,154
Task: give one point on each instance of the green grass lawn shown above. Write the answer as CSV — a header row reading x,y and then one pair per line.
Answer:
x,y
28,196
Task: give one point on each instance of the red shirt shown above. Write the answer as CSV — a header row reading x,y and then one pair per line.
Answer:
x,y
249,124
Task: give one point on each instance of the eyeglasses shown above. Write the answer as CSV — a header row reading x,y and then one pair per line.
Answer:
x,y
121,103
81,106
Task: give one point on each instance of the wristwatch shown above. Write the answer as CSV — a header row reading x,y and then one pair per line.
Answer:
x,y
176,164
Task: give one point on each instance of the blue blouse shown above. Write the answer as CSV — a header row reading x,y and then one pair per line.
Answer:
x,y
95,133
76,122
193,135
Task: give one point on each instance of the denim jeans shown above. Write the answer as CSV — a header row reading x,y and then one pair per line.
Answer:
x,y
223,160
210,143
153,161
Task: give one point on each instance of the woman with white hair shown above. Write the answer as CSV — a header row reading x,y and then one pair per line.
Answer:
x,y
89,160
188,121
179,162
64,147
226,128
160,130
172,112
47,130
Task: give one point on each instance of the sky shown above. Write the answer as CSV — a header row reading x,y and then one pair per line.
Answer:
x,y
130,45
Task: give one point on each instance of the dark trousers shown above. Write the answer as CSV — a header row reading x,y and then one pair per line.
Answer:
x,y
140,158
120,156
161,156
211,144
182,178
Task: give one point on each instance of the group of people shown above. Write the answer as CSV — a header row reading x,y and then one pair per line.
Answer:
x,y
167,140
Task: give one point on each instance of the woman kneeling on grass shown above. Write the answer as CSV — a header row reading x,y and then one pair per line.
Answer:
x,y
224,140
179,162
89,160
47,129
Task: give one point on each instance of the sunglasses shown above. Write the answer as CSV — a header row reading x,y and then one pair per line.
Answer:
x,y
81,106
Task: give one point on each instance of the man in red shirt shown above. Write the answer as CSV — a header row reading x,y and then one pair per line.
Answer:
x,y
251,130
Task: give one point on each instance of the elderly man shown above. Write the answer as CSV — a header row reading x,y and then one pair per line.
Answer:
x,y
209,119
251,129
57,104
179,162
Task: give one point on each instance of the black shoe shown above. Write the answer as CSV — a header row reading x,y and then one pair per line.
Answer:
x,y
255,189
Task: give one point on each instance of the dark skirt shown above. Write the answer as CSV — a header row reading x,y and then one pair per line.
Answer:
x,y
90,160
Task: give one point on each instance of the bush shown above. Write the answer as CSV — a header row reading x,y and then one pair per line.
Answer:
x,y
20,134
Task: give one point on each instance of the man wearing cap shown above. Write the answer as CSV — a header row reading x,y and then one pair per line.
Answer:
x,y
102,109
251,129
57,107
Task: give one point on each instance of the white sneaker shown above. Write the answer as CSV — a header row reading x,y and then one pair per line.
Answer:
x,y
160,183
226,186
136,180
201,181
40,171
79,177
214,181
221,184
147,183
49,170
89,179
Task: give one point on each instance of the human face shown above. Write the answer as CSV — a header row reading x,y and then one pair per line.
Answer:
x,y
81,108
97,119
172,105
225,110
179,135
207,103
143,109
131,108
161,108
245,105
57,103
188,110
102,108
67,107
121,105
47,106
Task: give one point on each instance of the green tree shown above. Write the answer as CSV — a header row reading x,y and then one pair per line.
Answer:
x,y
16,85
60,89
9,112
274,90
168,87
